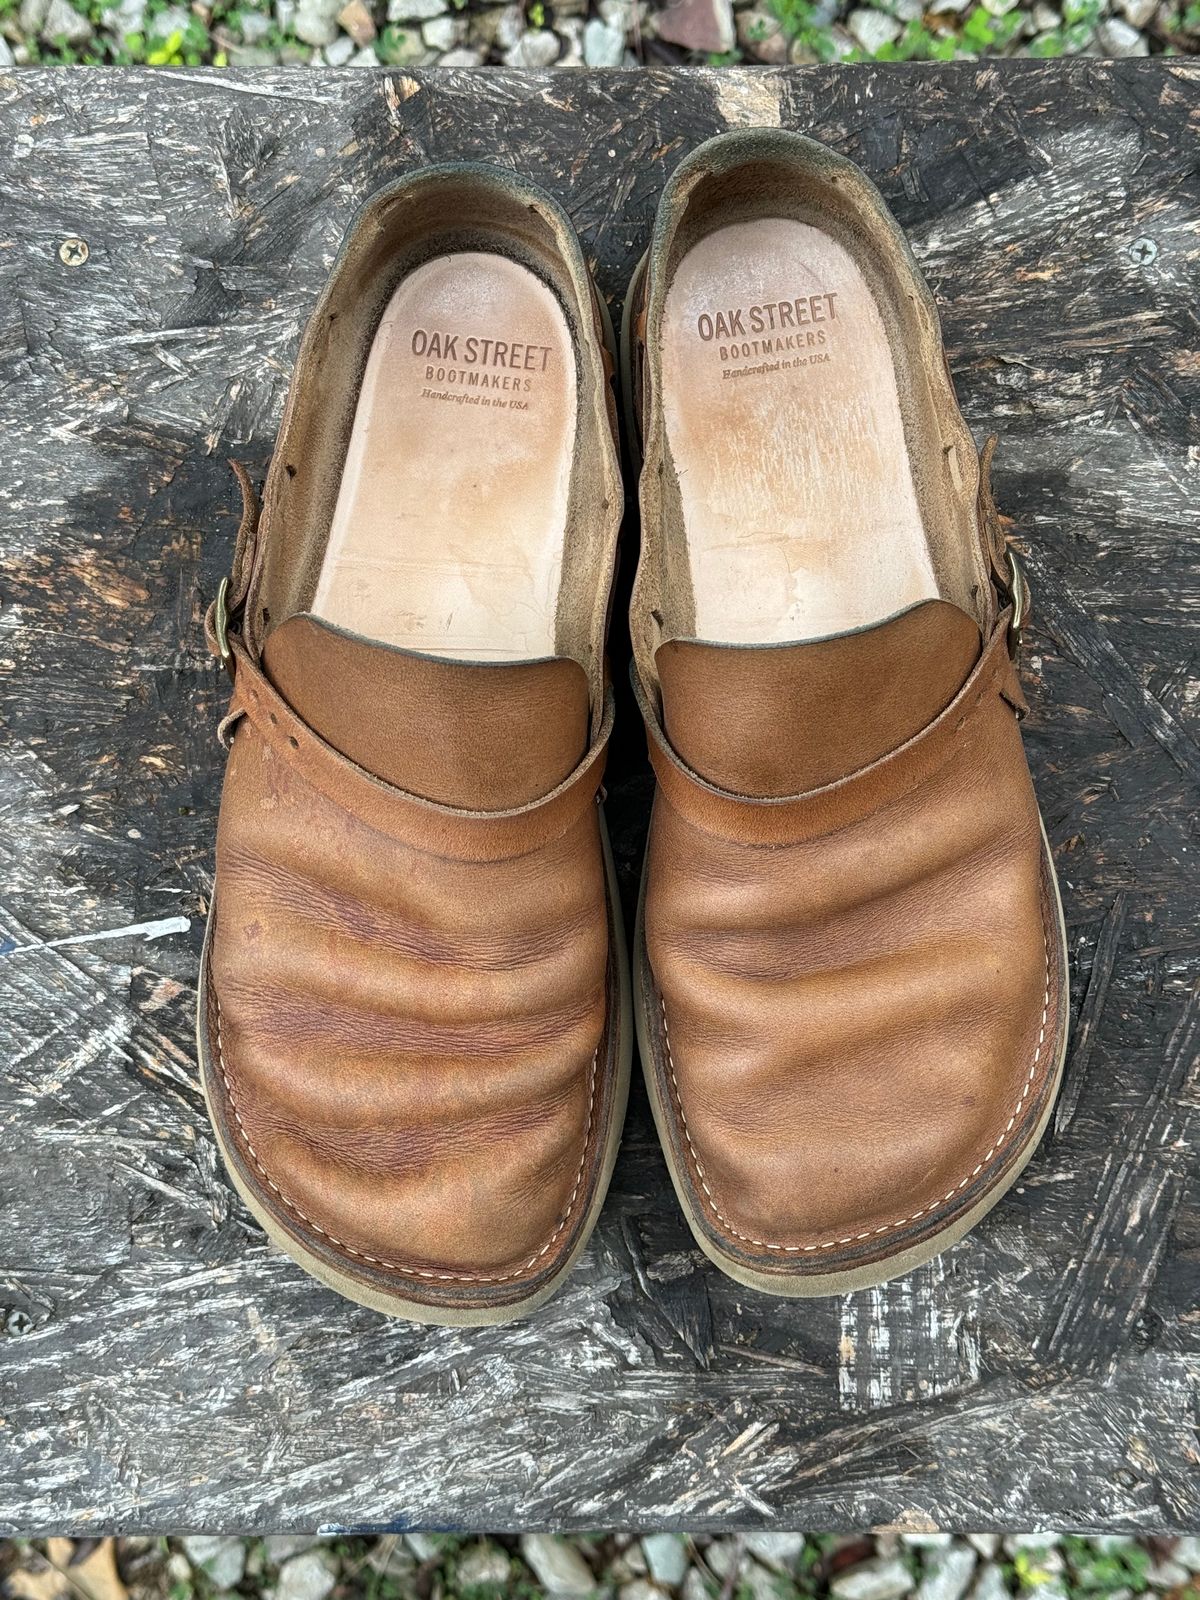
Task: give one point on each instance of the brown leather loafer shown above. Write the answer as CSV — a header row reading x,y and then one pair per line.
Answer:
x,y
413,1031
851,973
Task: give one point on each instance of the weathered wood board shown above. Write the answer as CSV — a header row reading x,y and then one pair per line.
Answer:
x,y
160,1367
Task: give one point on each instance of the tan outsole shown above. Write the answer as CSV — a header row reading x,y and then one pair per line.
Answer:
x,y
396,1305
795,1286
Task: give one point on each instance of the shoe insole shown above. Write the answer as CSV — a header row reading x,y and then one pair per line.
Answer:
x,y
449,527
783,418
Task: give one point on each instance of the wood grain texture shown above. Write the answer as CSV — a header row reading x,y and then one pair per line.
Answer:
x,y
160,1367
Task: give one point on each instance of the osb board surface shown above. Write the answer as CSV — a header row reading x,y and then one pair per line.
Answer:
x,y
160,1367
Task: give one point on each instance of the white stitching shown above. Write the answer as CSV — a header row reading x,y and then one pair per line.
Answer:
x,y
888,1227
396,1266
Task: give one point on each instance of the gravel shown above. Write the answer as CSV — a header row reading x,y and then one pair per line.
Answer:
x,y
948,1573
658,1566
483,1565
780,1551
598,34
603,44
666,1554
871,30
310,1576
557,1564
223,1561
1119,39
885,1578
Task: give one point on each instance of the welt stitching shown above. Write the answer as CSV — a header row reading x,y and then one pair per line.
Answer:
x,y
397,1266
887,1227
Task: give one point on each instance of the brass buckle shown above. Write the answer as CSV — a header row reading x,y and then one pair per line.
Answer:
x,y
1018,586
221,626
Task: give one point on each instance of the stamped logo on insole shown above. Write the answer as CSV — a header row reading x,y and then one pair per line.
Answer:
x,y
469,367
796,331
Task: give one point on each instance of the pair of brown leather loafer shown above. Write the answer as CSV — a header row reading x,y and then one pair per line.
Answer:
x,y
415,1020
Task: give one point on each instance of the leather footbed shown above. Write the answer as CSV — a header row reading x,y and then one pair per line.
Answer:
x,y
783,415
448,532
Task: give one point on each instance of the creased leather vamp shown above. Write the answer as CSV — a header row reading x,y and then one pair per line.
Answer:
x,y
854,1030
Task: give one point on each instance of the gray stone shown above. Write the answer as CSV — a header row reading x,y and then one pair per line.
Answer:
x,y
1187,1553
781,1551
1030,1541
871,30
1117,39
254,26
179,1568
309,1576
251,55
498,27
462,58
947,1573
639,1589
282,1545
927,1541
62,21
415,10
985,1543
128,17
174,19
622,14
31,16
443,33
6,56
423,1545
1166,1575
990,1584
939,8
1138,13
604,46
570,33
723,1555
316,21
757,1582
537,47
481,1565
556,1563
338,51
221,1560
696,1586
881,1579
666,1554
285,12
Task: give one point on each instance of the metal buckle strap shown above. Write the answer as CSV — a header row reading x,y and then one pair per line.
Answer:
x,y
1008,570
1018,597
226,610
